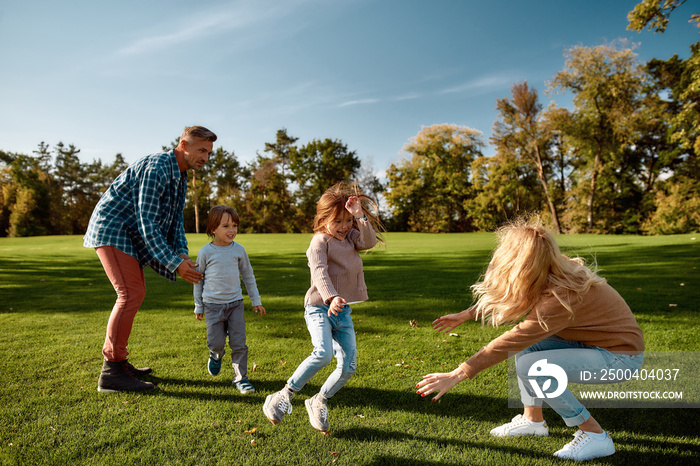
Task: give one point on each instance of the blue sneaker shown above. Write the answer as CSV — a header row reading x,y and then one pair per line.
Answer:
x,y
214,366
244,386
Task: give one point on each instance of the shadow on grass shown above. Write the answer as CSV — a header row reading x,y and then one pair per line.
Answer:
x,y
366,434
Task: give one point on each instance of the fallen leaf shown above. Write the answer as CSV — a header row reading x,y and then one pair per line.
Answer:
x,y
255,366
335,453
131,401
215,425
413,323
454,334
673,305
251,430
253,442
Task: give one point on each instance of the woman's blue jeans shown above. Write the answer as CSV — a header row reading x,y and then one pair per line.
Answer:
x,y
573,357
332,335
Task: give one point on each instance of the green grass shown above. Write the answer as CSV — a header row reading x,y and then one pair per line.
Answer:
x,y
55,300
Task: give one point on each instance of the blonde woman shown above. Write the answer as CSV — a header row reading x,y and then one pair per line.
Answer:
x,y
343,226
563,313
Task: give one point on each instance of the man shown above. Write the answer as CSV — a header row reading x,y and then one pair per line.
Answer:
x,y
138,222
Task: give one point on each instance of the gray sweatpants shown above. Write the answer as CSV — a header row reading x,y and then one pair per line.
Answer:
x,y
222,320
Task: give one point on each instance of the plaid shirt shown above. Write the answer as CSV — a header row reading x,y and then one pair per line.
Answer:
x,y
141,214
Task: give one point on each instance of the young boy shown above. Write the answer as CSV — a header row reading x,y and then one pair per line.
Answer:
x,y
220,298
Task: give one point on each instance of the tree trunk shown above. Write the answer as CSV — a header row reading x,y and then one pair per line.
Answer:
x,y
591,197
543,180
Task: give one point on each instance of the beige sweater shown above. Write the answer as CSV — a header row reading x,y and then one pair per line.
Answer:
x,y
602,318
336,267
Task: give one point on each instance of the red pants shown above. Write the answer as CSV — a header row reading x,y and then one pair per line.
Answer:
x,y
126,276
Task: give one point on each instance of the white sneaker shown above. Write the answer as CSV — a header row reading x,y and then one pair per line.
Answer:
x,y
519,426
318,412
584,447
277,405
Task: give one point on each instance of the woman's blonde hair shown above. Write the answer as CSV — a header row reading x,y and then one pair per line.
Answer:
x,y
331,205
527,265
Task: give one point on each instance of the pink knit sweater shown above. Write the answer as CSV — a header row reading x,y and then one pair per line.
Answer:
x,y
336,267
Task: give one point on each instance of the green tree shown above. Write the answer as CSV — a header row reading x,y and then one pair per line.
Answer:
x,y
315,167
654,15
431,190
606,82
520,133
504,188
72,178
26,196
677,208
269,205
283,149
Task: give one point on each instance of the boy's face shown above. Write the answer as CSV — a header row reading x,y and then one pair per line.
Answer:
x,y
226,231
339,227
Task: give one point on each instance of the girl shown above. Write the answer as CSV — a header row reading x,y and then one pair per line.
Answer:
x,y
570,317
220,298
342,226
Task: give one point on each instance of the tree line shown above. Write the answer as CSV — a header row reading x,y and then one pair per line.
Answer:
x,y
624,159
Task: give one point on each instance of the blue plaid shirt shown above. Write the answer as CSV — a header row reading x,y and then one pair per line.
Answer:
x,y
141,214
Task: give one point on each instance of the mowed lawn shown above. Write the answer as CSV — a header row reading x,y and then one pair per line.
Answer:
x,y
55,301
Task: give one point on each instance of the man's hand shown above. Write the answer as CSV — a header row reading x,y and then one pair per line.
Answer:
x,y
187,270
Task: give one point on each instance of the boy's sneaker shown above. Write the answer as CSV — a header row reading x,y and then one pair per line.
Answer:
x,y
244,386
318,412
277,405
214,366
584,447
519,426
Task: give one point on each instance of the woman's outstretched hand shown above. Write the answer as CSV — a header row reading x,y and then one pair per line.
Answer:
x,y
440,383
448,322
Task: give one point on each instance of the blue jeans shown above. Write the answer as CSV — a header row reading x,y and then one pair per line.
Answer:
x,y
223,320
331,336
573,357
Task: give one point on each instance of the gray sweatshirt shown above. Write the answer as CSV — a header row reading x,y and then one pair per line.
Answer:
x,y
223,268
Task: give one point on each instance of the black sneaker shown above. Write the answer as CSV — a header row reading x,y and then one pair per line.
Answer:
x,y
117,377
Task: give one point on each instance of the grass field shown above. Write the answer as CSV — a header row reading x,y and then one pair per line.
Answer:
x,y
55,300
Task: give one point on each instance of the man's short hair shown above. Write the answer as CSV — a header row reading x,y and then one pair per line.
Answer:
x,y
198,132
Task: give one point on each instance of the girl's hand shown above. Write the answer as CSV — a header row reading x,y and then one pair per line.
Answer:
x,y
198,316
336,306
441,383
259,309
354,206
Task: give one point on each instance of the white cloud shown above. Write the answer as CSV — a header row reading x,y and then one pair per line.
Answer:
x,y
240,15
359,102
484,83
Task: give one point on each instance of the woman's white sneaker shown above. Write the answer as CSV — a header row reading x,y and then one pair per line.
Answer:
x,y
584,447
519,426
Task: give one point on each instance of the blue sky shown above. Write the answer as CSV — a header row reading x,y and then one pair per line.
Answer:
x,y
127,76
